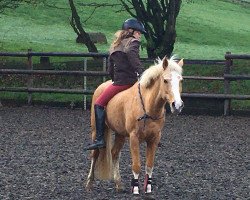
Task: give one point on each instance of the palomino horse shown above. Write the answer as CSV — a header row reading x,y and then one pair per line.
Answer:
x,y
139,114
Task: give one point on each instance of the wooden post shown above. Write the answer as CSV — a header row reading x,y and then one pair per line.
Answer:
x,y
85,85
30,77
227,89
104,68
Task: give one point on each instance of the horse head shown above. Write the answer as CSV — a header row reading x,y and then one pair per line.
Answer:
x,y
172,83
166,76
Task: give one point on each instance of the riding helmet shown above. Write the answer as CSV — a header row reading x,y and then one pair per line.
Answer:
x,y
133,24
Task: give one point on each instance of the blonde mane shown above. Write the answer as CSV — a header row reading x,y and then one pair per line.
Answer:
x,y
154,71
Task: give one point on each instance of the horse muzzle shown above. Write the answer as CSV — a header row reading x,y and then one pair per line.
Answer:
x,y
176,107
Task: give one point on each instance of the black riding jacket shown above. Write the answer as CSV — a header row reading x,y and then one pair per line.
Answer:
x,y
124,64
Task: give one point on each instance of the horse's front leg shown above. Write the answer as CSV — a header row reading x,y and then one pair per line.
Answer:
x,y
116,151
150,157
91,176
136,164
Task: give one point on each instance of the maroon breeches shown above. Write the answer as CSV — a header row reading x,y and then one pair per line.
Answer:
x,y
110,92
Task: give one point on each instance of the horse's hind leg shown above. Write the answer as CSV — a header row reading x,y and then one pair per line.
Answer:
x,y
91,175
116,152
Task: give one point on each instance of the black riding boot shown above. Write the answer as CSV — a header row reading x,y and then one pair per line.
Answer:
x,y
100,126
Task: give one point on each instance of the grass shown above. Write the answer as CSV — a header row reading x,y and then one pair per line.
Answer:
x,y
205,29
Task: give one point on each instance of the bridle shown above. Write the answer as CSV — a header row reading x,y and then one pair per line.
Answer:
x,y
145,116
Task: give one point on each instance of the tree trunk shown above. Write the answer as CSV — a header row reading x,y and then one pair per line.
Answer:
x,y
170,35
77,26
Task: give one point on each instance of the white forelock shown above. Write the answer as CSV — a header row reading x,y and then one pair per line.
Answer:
x,y
155,70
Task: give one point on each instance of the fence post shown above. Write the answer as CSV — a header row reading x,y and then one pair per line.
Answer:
x,y
85,85
104,68
227,70
30,77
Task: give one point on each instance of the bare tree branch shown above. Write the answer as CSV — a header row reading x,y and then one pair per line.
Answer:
x,y
159,19
98,5
127,8
77,27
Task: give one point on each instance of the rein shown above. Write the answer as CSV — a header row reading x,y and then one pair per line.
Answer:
x,y
145,115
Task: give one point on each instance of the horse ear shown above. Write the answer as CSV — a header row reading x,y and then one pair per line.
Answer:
x,y
165,63
181,62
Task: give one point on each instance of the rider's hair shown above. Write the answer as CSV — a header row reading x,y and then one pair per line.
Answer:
x,y
119,36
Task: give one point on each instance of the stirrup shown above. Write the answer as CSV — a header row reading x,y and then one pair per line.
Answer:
x,y
96,145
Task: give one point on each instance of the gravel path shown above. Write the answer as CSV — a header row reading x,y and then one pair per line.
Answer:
x,y
42,157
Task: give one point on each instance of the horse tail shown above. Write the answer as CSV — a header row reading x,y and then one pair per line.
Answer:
x,y
104,165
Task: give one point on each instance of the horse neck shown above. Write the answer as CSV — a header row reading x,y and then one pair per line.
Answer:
x,y
154,103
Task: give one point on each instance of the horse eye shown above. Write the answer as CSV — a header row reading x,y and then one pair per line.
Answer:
x,y
165,81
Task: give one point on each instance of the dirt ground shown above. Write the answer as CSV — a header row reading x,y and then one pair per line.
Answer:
x,y
200,157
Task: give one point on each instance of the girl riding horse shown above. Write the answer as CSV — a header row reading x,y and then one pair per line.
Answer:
x,y
138,114
124,68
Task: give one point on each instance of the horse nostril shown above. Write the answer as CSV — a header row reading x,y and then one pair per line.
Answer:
x,y
178,105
